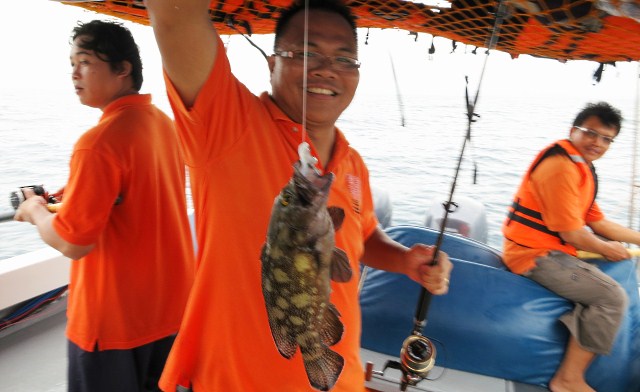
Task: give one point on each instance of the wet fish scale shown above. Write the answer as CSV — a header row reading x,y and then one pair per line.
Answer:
x,y
299,260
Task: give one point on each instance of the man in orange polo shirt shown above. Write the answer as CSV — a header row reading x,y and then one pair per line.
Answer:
x,y
123,221
545,227
240,149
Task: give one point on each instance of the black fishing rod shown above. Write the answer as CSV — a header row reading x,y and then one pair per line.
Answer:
x,y
398,94
417,355
6,216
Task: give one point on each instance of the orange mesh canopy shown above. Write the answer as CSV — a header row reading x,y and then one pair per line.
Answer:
x,y
598,30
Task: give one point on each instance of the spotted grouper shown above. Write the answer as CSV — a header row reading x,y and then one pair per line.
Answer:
x,y
299,259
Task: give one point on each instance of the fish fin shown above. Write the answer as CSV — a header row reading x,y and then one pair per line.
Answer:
x,y
332,330
340,268
286,343
323,369
284,340
337,216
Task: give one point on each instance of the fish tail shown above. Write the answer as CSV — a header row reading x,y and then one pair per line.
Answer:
x,y
324,368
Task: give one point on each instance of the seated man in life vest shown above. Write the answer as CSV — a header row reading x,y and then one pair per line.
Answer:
x,y
546,226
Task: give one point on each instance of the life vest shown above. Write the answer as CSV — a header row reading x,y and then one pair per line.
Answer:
x,y
525,224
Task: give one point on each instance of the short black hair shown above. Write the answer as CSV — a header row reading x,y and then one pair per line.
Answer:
x,y
607,114
112,43
336,6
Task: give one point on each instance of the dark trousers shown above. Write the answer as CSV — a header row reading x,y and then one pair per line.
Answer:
x,y
133,370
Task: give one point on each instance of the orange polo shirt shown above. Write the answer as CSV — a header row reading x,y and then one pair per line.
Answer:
x,y
132,288
556,185
240,149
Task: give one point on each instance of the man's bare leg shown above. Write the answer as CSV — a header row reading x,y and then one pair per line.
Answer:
x,y
570,374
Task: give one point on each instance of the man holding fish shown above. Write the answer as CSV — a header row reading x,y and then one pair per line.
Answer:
x,y
264,267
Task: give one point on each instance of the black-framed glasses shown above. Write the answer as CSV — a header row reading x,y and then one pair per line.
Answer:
x,y
593,135
315,59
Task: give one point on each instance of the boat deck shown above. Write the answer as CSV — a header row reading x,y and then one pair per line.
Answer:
x,y
33,358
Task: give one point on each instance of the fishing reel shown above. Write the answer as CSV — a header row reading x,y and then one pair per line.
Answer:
x,y
17,197
417,358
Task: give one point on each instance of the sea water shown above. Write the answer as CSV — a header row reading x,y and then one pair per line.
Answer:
x,y
414,164
409,126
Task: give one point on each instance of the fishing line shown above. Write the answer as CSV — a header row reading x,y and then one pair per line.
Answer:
x,y
634,163
398,94
303,149
307,161
231,25
305,71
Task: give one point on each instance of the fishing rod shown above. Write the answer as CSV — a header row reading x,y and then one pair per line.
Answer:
x,y
7,216
398,94
418,353
583,254
17,197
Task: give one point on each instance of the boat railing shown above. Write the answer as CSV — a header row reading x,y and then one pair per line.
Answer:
x,y
28,275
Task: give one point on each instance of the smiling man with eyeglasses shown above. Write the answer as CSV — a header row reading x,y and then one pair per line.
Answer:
x,y
240,149
594,135
314,60
545,227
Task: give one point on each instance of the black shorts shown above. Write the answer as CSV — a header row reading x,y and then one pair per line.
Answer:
x,y
133,370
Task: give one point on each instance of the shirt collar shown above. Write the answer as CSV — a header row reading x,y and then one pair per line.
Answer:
x,y
131,99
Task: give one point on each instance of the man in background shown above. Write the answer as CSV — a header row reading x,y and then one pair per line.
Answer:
x,y
546,226
123,221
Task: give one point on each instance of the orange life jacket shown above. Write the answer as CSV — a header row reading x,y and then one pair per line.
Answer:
x,y
525,223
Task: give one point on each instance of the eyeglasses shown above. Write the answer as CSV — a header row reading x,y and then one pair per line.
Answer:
x,y
315,59
593,135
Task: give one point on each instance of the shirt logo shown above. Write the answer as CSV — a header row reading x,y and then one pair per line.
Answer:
x,y
355,191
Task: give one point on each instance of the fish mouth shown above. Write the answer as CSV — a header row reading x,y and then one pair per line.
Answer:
x,y
312,186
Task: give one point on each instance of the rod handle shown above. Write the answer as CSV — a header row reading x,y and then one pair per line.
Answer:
x,y
582,254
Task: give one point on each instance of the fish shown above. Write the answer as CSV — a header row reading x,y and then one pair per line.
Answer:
x,y
299,260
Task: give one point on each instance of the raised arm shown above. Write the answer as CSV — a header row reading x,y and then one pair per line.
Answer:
x,y
187,41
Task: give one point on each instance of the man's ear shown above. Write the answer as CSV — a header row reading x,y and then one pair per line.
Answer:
x,y
271,60
124,68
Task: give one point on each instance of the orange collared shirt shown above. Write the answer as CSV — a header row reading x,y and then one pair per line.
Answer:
x,y
241,149
132,288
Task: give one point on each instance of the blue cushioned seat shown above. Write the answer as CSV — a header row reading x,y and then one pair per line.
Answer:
x,y
494,322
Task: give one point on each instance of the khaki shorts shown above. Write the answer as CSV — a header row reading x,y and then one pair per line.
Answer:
x,y
600,302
